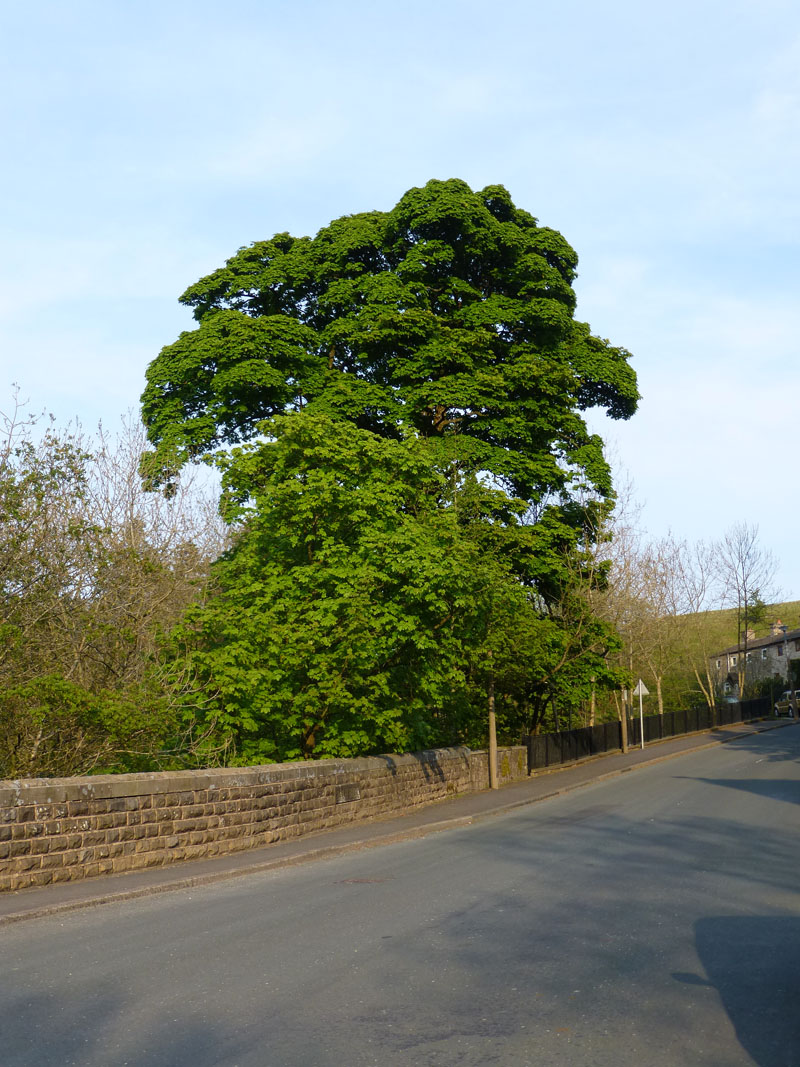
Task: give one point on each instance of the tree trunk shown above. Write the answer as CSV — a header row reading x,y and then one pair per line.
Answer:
x,y
593,706
623,718
493,783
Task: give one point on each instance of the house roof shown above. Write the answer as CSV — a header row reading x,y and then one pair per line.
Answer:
x,y
760,642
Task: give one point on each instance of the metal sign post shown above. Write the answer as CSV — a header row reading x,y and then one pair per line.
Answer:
x,y
642,691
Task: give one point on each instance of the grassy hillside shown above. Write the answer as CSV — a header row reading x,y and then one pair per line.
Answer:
x,y
788,612
722,623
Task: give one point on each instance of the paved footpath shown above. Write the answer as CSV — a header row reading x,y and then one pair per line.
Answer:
x,y
440,815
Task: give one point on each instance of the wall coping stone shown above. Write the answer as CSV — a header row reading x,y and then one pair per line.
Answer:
x,y
26,791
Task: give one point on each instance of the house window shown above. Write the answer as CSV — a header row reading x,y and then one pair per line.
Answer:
x,y
780,650
797,645
733,660
718,664
763,653
748,657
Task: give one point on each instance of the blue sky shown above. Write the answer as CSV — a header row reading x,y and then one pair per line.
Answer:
x,y
145,142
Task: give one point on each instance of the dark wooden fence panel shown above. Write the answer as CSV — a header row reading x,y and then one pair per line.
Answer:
x,y
553,750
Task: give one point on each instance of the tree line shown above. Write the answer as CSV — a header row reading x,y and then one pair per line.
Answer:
x,y
413,525
677,604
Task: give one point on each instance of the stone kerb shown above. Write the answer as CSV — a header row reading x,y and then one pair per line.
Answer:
x,y
63,829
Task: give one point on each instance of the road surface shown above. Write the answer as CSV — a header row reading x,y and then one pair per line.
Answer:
x,y
652,919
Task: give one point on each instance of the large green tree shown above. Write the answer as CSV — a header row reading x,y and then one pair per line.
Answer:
x,y
451,314
397,407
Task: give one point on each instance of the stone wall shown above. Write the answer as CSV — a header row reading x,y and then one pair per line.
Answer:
x,y
63,829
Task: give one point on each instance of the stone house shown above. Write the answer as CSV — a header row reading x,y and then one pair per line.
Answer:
x,y
766,658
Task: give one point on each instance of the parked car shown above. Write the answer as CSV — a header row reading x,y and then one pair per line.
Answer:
x,y
788,703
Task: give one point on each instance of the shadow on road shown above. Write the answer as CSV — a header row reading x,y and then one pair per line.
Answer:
x,y
87,1027
773,746
753,962
786,789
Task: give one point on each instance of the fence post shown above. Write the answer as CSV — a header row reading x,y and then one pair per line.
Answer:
x,y
493,784
624,727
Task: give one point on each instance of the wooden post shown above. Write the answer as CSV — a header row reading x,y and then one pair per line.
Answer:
x,y
493,783
624,722
593,704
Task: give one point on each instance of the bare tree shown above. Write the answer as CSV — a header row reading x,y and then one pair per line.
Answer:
x,y
660,597
619,600
662,628
746,577
695,583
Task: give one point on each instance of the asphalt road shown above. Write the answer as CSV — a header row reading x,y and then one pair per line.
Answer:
x,y
649,919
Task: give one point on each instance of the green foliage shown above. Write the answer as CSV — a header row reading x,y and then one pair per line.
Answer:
x,y
450,314
409,474
35,715
773,686
362,608
344,611
89,574
52,727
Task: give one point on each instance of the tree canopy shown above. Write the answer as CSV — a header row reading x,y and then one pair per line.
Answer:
x,y
451,314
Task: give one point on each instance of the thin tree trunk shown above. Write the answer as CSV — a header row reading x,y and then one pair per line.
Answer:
x,y
623,718
493,783
593,706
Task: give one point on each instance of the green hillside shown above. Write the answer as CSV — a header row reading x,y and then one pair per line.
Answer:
x,y
722,623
